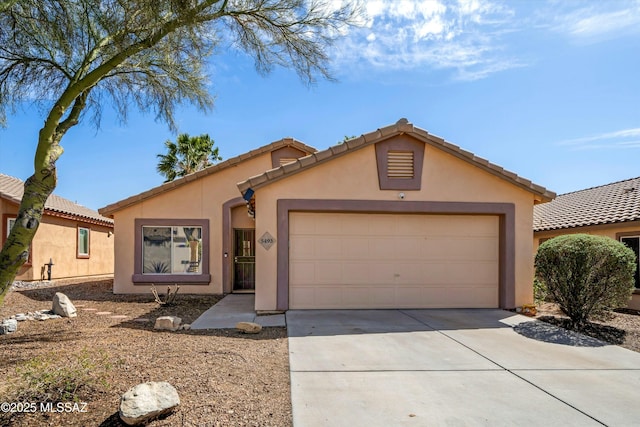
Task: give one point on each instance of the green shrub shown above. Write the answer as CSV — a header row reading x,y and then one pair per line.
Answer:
x,y
540,291
586,275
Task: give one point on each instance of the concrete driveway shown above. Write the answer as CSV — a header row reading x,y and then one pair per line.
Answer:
x,y
454,368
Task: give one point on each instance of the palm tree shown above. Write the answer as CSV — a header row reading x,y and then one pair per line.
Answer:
x,y
187,155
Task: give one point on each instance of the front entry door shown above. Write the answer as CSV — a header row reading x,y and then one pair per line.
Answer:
x,y
244,260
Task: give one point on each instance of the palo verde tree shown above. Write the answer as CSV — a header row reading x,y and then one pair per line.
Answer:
x,y
187,155
72,57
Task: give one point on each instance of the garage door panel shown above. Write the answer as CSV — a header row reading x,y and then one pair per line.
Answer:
x,y
302,248
358,273
393,260
300,272
355,248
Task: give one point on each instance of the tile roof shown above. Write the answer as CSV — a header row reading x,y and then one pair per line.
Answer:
x,y
167,186
401,127
606,204
12,189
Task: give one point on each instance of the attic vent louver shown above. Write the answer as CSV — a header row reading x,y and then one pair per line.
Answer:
x,y
400,164
285,160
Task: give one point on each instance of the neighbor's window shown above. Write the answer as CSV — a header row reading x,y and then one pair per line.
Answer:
x,y
10,222
172,250
633,242
83,242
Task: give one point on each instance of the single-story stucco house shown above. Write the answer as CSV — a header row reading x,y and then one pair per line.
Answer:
x,y
611,210
78,240
394,218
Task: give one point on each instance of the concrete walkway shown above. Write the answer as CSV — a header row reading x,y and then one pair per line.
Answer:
x,y
454,368
232,309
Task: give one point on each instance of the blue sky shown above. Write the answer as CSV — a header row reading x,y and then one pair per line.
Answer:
x,y
547,89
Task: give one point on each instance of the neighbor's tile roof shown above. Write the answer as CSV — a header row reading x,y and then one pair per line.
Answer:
x,y
12,189
611,203
401,127
167,186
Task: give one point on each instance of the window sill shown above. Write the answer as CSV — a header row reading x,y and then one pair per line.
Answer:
x,y
191,279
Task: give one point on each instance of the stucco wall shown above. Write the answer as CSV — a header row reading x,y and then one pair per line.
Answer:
x,y
199,199
354,177
609,230
56,239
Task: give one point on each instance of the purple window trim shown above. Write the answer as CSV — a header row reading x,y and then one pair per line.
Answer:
x,y
504,211
138,278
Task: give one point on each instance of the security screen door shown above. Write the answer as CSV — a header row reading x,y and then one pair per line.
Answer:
x,y
244,260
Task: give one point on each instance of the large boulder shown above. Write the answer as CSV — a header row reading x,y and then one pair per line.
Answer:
x,y
62,306
170,323
147,401
8,326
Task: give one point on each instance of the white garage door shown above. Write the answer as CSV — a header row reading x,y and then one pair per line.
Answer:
x,y
392,261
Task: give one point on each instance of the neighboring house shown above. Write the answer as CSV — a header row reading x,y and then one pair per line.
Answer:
x,y
394,218
611,210
78,240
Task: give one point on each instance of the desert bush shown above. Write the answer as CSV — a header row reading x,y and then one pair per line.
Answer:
x,y
586,275
69,380
540,291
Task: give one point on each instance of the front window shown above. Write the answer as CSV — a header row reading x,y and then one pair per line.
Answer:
x,y
172,250
633,242
83,242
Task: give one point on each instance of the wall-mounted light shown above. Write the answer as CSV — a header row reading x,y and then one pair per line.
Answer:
x,y
248,194
401,196
109,233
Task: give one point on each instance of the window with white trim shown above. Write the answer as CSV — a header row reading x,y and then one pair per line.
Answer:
x,y
83,242
10,223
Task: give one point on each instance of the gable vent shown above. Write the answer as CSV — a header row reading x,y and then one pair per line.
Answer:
x,y
285,160
400,164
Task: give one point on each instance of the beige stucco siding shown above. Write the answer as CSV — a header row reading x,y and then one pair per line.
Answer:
x,y
202,198
354,177
609,230
56,239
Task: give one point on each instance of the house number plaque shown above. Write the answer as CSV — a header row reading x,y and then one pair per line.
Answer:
x,y
267,240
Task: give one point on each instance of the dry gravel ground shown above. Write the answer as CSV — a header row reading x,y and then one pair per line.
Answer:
x,y
621,327
224,378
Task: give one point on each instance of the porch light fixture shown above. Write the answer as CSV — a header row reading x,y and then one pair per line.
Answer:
x,y
248,194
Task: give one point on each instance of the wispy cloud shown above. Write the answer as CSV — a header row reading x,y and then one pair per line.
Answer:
x,y
597,21
464,36
622,139
473,39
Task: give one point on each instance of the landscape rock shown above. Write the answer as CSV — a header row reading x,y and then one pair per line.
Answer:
x,y
8,326
21,317
147,401
63,306
185,327
170,323
248,327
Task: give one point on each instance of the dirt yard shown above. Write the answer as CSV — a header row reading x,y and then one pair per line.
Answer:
x,y
223,377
